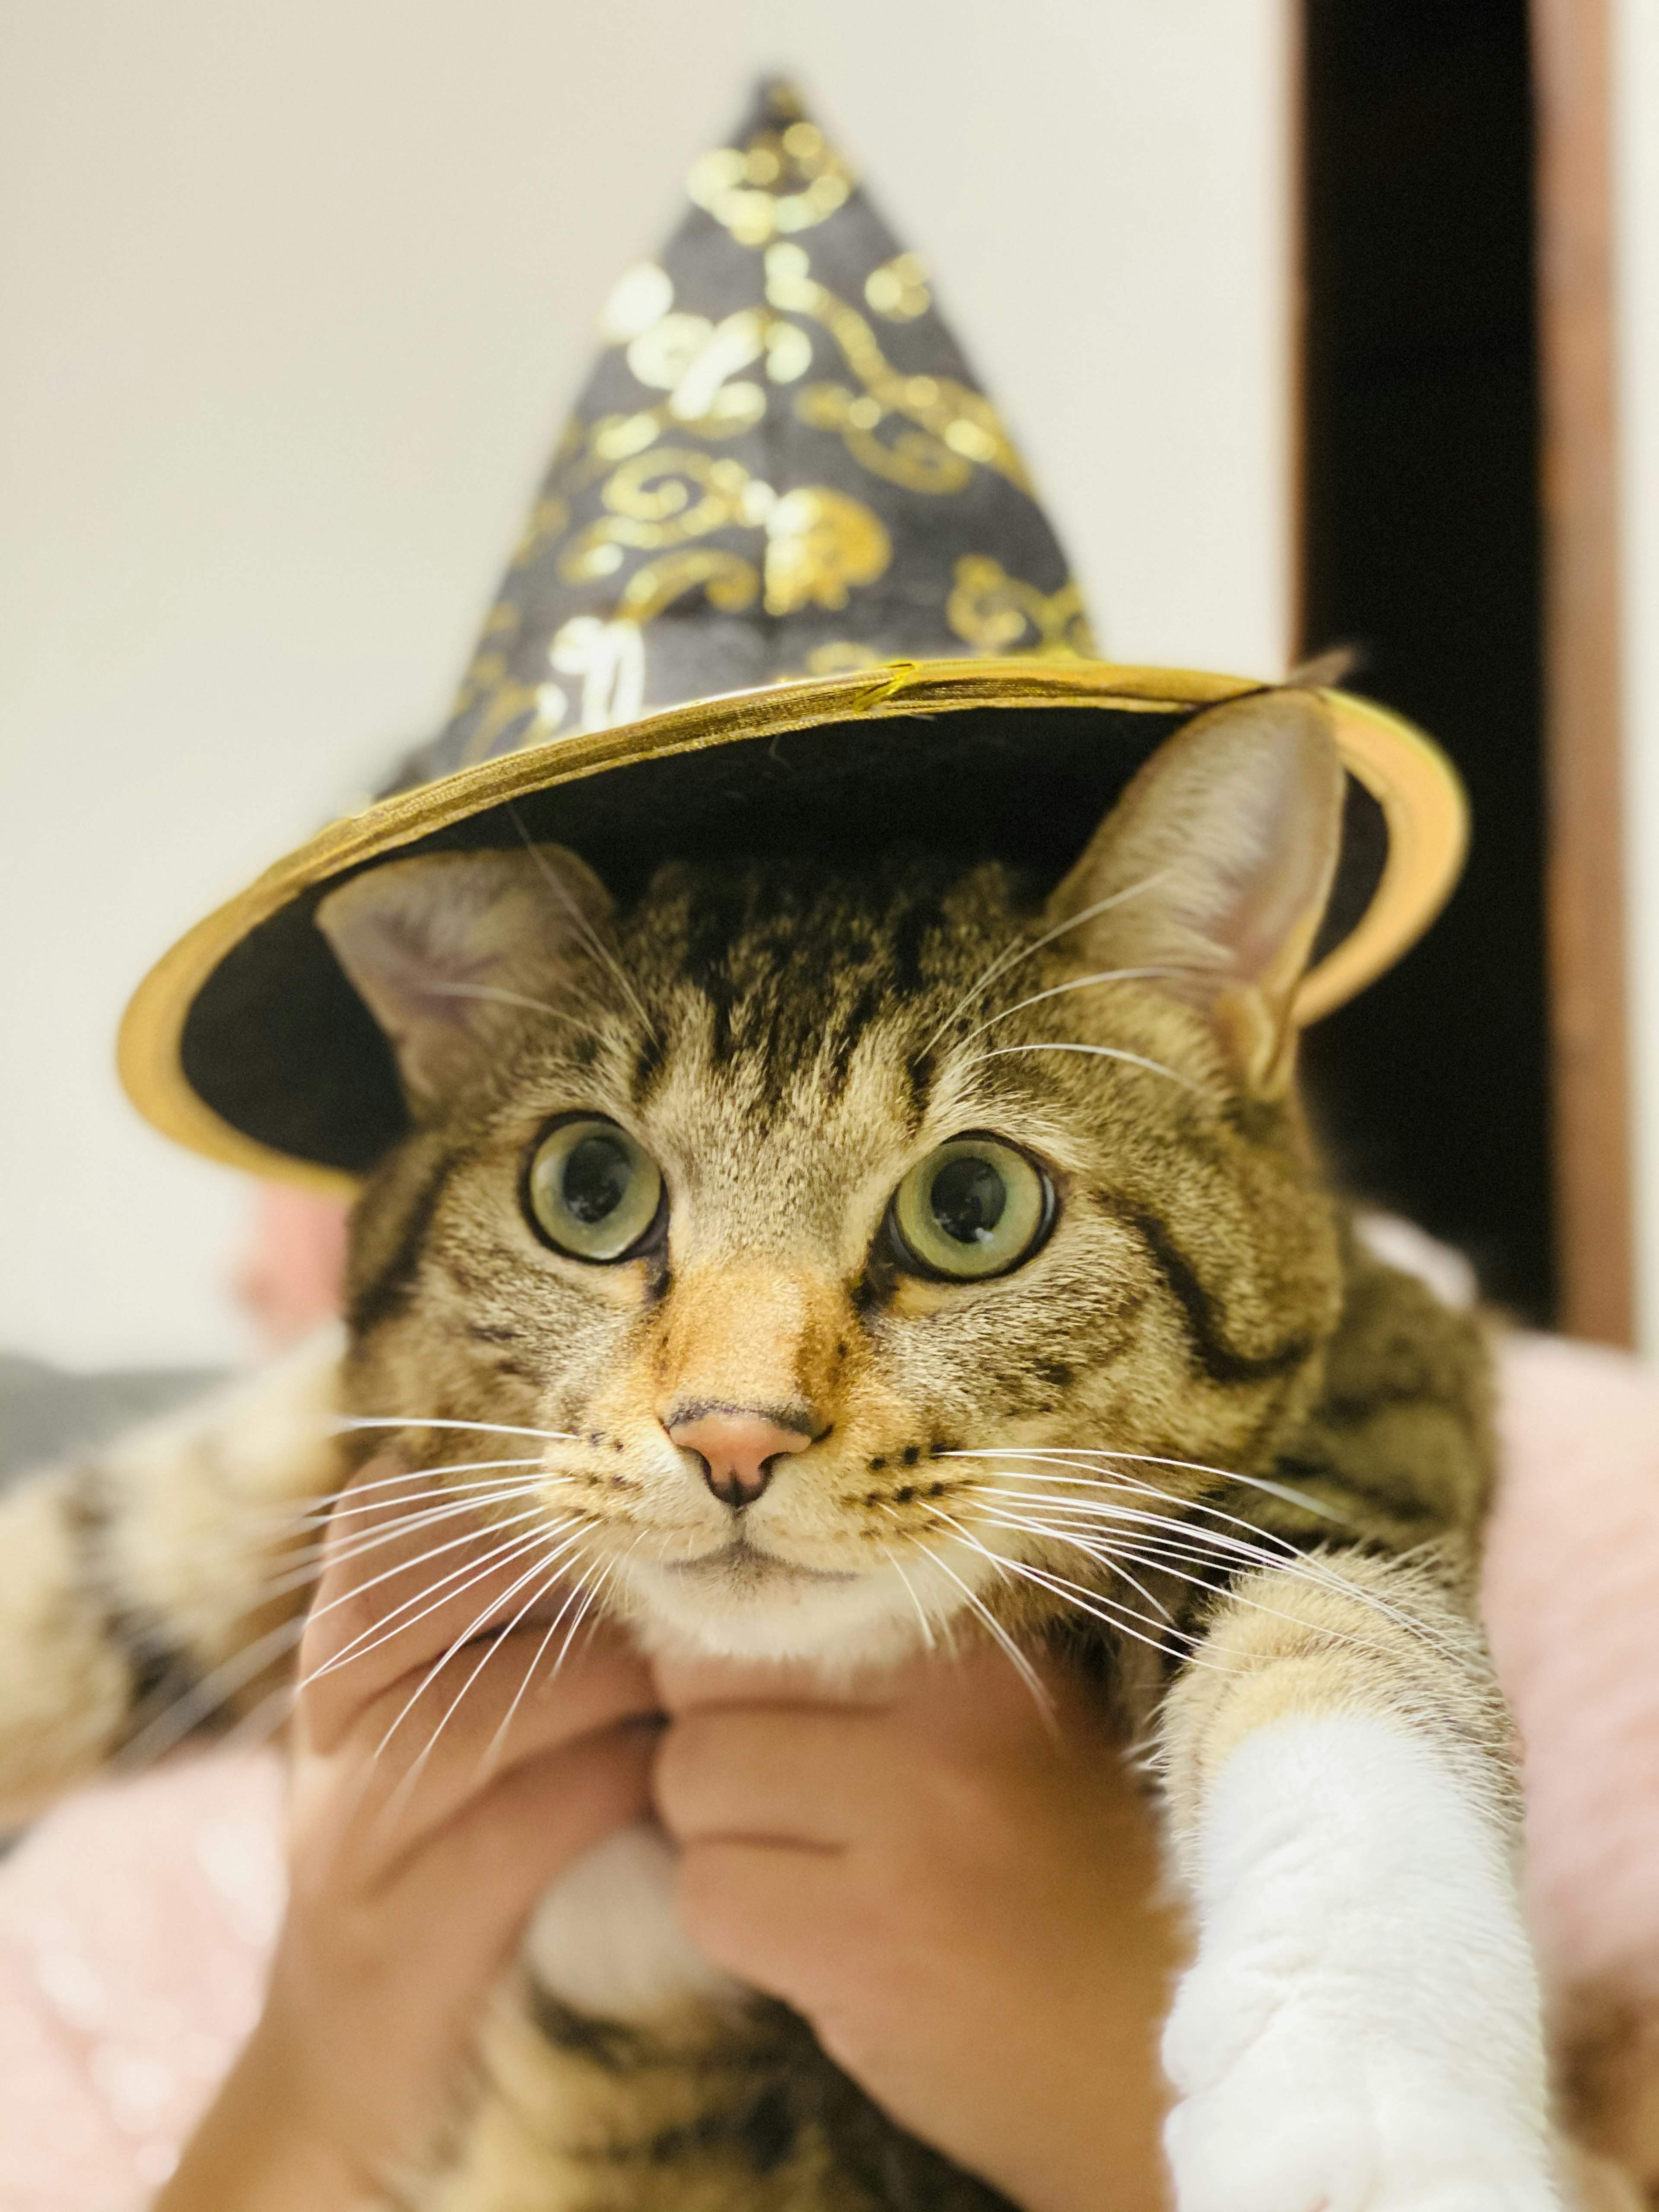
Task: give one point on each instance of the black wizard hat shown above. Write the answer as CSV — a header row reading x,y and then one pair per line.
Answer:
x,y
785,584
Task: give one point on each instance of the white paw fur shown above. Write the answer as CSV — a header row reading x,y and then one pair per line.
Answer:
x,y
1360,2031
607,1939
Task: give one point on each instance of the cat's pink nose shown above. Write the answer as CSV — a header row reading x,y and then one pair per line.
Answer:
x,y
740,1450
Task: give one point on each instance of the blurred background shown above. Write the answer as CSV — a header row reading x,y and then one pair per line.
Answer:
x,y
1335,321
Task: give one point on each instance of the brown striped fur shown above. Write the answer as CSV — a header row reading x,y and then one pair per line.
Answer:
x,y
787,1044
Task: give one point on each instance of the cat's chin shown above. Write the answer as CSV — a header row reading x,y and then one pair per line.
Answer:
x,y
756,1607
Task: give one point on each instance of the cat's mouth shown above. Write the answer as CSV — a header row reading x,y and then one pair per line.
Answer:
x,y
747,1565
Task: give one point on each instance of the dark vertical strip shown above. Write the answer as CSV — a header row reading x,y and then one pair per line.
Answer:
x,y
1422,546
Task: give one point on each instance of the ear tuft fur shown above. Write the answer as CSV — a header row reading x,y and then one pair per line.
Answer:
x,y
1216,864
437,947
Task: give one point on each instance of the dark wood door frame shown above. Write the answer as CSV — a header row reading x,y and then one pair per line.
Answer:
x,y
1584,760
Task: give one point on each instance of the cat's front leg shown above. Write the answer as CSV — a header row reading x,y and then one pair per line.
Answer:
x,y
1360,2029
154,1585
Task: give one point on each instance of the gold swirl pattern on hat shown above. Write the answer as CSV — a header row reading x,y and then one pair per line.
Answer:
x,y
684,472
963,422
779,181
997,613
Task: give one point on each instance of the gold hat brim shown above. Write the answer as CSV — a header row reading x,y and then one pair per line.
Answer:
x,y
1415,787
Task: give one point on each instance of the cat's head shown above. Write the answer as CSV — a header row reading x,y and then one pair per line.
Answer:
x,y
839,1229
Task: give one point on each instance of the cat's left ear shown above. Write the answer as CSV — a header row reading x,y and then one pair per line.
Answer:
x,y
445,950
1214,867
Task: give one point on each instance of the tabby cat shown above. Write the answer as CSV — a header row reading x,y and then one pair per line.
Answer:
x,y
925,1252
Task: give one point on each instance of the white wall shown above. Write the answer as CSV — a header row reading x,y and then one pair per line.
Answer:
x,y
294,296
1635,78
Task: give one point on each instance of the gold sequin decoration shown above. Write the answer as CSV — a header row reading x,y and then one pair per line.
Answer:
x,y
997,613
731,582
962,421
915,459
663,498
819,545
641,296
780,182
505,702
898,289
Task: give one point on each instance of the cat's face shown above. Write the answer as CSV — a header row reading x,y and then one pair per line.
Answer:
x,y
812,1217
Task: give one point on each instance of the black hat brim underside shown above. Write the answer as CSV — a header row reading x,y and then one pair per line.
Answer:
x,y
277,1043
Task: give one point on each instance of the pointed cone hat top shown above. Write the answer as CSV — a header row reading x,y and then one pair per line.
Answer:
x,y
783,466
785,585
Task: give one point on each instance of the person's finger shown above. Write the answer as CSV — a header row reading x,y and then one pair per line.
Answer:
x,y
426,1745
767,1913
788,1774
685,1681
472,1885
419,1950
381,1614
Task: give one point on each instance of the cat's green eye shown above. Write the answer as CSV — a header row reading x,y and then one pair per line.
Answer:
x,y
974,1207
591,1191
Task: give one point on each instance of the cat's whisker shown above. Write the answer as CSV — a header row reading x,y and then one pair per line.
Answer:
x,y
544,1581
320,1504
306,1564
493,1749
485,1509
582,1610
446,1504
928,1637
305,1516
1022,949
443,1502
545,1559
1231,1591
1063,1455
1280,1490
470,1535
1168,1539
1088,1510
501,1562
1107,1552
300,1577
257,1727
1078,983
512,998
1115,1555
345,1423
1095,1602
1259,1547
1165,1499
493,1752
1021,1664
1148,1549
1092,1052
193,1706
473,1571
591,937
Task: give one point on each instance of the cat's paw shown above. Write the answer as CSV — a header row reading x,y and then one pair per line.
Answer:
x,y
1360,2032
1280,2114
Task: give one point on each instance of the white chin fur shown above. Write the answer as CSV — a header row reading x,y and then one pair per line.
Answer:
x,y
870,1621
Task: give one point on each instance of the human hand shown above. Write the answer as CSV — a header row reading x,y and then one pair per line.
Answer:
x,y
425,1824
961,1901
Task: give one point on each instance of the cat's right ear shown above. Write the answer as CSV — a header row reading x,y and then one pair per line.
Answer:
x,y
1213,869
441,948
